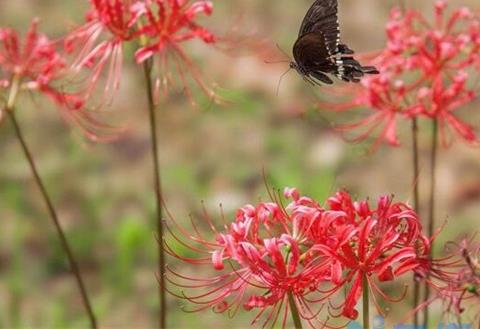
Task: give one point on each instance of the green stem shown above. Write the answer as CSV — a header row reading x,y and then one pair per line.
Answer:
x,y
147,68
431,209
366,304
294,311
416,205
53,214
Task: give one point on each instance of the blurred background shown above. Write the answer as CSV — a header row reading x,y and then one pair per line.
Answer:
x,y
213,153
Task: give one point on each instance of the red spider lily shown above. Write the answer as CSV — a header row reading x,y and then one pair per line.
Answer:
x,y
426,72
167,24
309,252
36,65
99,42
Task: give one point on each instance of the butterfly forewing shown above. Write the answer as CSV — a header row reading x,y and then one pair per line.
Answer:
x,y
322,18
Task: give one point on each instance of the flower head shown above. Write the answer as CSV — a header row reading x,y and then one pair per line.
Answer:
x,y
171,22
98,44
426,72
167,24
36,64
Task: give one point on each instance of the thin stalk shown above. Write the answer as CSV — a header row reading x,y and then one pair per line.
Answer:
x,y
294,310
147,68
416,302
53,214
431,209
366,304
416,205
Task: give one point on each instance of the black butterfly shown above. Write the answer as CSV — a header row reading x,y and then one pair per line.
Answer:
x,y
318,50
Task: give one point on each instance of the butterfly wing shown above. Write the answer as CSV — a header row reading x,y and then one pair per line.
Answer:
x,y
318,50
322,18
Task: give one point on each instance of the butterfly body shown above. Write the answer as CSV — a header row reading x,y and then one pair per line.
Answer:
x,y
318,52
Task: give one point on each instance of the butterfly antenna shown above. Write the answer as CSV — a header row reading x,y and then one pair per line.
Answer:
x,y
280,80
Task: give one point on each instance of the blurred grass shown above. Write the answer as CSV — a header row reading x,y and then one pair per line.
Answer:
x,y
211,153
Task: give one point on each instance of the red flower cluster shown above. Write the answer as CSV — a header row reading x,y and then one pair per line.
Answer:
x,y
157,26
36,64
425,69
306,253
171,22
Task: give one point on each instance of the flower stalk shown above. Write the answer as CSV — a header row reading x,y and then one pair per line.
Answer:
x,y
12,96
53,213
366,304
294,310
416,204
147,68
431,209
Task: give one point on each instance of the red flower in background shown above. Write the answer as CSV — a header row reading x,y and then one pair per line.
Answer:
x,y
462,293
306,251
98,44
168,23
425,73
157,26
35,64
173,22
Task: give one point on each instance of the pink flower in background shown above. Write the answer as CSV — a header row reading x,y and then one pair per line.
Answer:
x,y
383,96
98,44
169,23
428,70
156,27
35,62
462,294
306,251
36,65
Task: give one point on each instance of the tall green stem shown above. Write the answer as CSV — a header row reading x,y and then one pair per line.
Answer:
x,y
53,214
297,322
147,68
416,205
431,209
366,304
